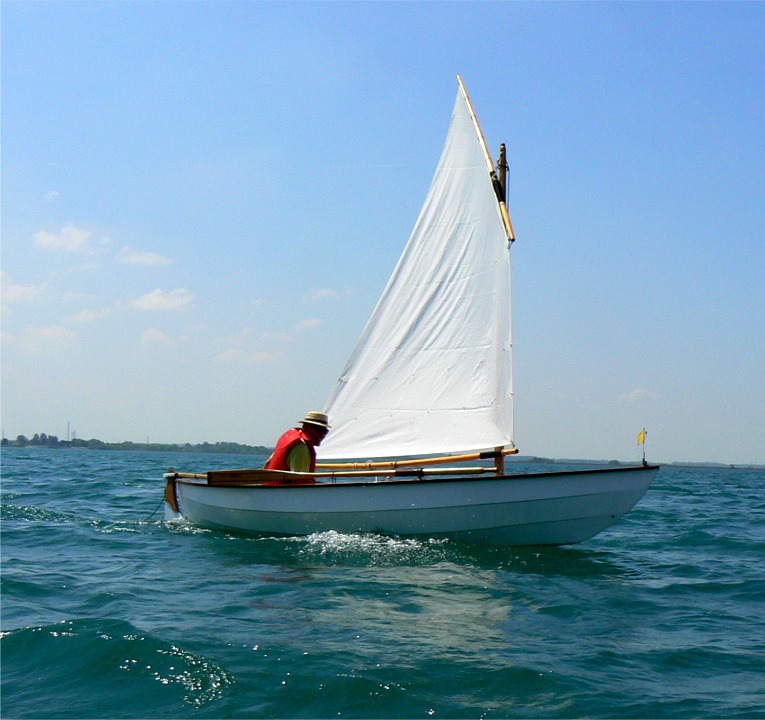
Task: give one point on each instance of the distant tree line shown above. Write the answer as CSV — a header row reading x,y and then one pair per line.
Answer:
x,y
51,441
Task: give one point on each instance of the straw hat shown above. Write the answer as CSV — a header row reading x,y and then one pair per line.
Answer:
x,y
317,418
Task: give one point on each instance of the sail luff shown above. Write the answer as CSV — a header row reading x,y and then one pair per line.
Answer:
x,y
479,132
502,201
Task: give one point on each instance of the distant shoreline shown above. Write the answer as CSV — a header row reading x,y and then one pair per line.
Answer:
x,y
52,442
232,448
677,464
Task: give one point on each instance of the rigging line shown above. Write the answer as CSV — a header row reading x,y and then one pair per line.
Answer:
x,y
155,510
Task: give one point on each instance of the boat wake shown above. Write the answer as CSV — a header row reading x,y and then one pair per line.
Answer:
x,y
371,548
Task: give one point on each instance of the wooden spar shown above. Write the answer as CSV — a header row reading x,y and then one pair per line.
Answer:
x,y
489,162
501,452
487,156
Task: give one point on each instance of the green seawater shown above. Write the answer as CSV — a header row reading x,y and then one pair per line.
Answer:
x,y
110,612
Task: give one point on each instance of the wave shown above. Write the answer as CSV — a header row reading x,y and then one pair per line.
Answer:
x,y
96,665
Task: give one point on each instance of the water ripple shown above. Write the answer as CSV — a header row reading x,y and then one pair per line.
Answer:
x,y
117,613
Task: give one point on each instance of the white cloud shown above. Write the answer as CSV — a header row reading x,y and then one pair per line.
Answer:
x,y
51,196
70,296
13,293
70,239
64,271
154,336
244,337
640,395
160,300
320,294
275,337
47,338
309,323
244,356
129,256
87,316
246,348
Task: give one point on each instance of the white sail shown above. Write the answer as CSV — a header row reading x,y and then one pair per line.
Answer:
x,y
432,372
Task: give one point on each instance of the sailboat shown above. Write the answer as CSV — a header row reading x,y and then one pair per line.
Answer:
x,y
422,414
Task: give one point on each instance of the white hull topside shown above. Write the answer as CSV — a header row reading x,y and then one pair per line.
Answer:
x,y
551,508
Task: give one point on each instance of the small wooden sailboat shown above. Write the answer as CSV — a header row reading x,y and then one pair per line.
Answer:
x,y
429,383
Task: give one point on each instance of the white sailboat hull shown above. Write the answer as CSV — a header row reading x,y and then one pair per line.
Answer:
x,y
556,508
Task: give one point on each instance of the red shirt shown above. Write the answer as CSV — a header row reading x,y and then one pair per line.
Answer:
x,y
279,458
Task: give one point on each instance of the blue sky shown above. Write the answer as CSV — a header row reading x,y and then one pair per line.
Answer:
x,y
201,203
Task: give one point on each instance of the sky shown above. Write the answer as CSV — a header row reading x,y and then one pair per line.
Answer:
x,y
202,201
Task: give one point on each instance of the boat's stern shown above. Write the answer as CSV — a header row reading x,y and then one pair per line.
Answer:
x,y
172,509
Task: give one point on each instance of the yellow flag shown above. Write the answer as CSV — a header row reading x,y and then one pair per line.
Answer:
x,y
641,437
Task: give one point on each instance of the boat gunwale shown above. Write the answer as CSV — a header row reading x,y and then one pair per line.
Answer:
x,y
406,480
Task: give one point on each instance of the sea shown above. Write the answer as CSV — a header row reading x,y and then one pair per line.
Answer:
x,y
109,611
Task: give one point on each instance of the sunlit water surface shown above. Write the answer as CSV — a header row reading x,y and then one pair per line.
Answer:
x,y
108,611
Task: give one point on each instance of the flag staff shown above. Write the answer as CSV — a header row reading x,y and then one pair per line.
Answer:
x,y
641,441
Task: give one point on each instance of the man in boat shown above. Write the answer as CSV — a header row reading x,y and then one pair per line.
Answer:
x,y
296,448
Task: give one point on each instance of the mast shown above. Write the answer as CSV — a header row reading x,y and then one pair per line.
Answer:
x,y
500,188
490,166
502,172
498,177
